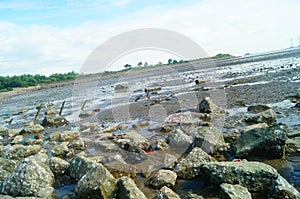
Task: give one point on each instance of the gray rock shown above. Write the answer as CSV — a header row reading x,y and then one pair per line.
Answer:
x,y
54,121
254,126
182,118
51,111
228,191
6,197
292,147
32,129
255,176
267,143
7,166
68,136
206,105
96,183
31,178
257,108
193,196
92,126
282,189
162,178
77,144
5,132
267,116
59,166
208,138
166,193
80,165
111,128
19,152
61,149
188,168
127,189
179,139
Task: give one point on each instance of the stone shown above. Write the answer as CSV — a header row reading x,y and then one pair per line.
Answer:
x,y
127,189
54,122
80,165
32,129
68,136
85,114
59,166
267,116
6,197
96,183
228,191
111,128
182,118
297,105
7,166
31,178
255,176
292,147
121,87
92,126
179,139
265,143
193,196
282,189
77,144
257,108
61,149
254,126
18,152
206,105
8,133
188,168
51,111
162,178
208,138
166,193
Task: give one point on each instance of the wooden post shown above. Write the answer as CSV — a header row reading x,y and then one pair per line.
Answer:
x,y
83,105
38,112
61,108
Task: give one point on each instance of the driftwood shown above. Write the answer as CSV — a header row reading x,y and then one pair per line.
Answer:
x,y
39,108
61,108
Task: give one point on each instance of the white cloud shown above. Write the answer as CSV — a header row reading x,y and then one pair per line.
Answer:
x,y
232,26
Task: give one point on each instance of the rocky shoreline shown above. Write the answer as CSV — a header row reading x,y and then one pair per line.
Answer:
x,y
249,149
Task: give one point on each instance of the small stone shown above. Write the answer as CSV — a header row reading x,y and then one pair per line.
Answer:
x,y
162,178
18,152
228,191
51,111
127,189
61,149
59,166
32,129
166,193
257,108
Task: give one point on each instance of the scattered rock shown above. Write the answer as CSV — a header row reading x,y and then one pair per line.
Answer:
x,y
228,191
18,152
127,189
89,126
8,133
162,178
59,166
26,181
32,129
179,139
51,111
257,108
80,165
282,189
166,193
121,87
267,143
189,167
61,149
292,147
267,116
111,128
54,122
254,126
182,118
206,105
208,139
255,176
85,114
297,105
6,197
77,144
68,136
96,183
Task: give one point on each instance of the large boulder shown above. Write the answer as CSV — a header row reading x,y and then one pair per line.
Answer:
x,y
179,139
292,147
257,108
166,193
228,191
32,129
80,165
31,178
208,138
282,189
267,116
162,178
255,176
188,168
96,183
19,152
266,143
127,189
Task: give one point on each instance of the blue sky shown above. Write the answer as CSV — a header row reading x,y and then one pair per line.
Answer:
x,y
48,36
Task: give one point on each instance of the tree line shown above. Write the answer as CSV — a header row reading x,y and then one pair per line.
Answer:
x,y
7,83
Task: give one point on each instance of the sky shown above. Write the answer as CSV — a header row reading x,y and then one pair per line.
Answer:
x,y
57,36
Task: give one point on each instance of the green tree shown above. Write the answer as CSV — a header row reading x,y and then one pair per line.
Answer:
x,y
170,61
140,63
